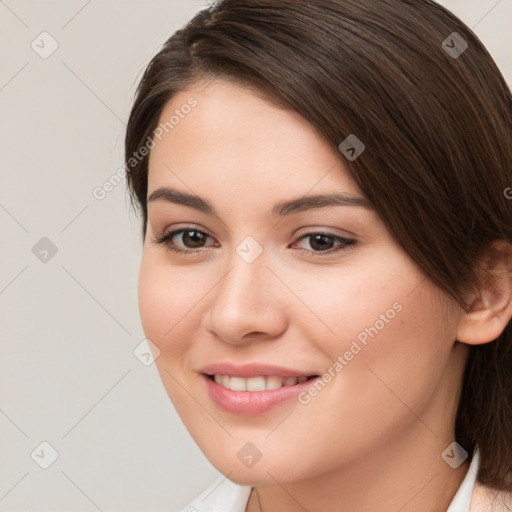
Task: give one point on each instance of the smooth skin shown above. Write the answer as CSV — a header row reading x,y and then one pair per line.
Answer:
x,y
372,438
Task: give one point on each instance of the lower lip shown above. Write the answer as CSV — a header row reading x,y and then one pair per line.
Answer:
x,y
252,402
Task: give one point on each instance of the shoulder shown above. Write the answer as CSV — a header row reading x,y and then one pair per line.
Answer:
x,y
486,499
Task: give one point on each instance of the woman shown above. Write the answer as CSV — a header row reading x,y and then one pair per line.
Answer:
x,y
327,261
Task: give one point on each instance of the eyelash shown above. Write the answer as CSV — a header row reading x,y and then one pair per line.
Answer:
x,y
165,239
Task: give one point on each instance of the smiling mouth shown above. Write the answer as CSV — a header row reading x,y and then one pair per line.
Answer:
x,y
259,383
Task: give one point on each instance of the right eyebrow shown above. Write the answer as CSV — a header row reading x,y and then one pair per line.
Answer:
x,y
175,196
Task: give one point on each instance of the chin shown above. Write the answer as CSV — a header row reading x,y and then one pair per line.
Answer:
x,y
263,472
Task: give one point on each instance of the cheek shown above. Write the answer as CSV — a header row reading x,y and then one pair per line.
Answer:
x,y
351,302
394,341
413,349
166,297
392,333
395,349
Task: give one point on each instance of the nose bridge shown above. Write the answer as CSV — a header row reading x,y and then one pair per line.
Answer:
x,y
247,273
240,303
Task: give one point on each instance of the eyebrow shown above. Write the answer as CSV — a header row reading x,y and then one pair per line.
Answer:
x,y
280,209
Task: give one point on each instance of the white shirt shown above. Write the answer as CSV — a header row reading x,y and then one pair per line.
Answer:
x,y
223,495
462,499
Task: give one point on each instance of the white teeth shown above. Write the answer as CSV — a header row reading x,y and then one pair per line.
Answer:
x,y
237,384
274,382
257,383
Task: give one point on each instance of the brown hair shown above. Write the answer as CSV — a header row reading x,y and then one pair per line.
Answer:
x,y
437,127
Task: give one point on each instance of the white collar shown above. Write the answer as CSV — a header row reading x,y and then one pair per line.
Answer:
x,y
462,499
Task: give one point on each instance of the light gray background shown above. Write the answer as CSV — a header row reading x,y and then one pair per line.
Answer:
x,y
68,326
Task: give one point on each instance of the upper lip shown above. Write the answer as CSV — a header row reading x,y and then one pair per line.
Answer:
x,y
252,370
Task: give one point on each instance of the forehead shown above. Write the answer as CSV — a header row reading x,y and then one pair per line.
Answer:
x,y
220,136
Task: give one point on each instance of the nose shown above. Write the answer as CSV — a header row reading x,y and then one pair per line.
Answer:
x,y
245,305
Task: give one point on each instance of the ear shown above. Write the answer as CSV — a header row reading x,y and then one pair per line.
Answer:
x,y
490,307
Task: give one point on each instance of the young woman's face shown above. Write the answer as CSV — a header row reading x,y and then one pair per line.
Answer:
x,y
321,291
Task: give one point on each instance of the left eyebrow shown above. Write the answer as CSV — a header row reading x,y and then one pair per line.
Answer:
x,y
317,201
280,209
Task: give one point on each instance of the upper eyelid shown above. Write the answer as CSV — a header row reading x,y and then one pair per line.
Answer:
x,y
175,232
325,231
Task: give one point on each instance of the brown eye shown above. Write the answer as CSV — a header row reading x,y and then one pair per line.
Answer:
x,y
325,243
321,242
191,240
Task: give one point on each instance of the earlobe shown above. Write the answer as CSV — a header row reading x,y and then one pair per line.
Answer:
x,y
490,309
